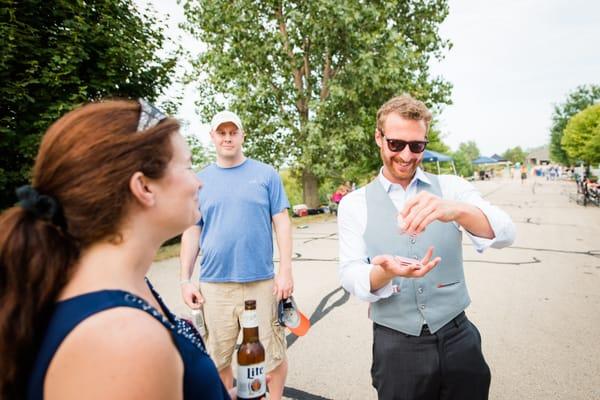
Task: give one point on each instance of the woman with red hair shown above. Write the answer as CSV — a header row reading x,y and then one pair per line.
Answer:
x,y
78,319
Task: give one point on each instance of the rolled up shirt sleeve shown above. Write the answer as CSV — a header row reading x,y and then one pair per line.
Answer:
x,y
354,266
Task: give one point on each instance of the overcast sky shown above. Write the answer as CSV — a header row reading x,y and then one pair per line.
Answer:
x,y
511,61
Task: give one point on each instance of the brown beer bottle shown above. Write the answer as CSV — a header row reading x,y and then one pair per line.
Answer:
x,y
251,383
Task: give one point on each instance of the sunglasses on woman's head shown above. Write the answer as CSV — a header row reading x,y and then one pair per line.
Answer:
x,y
397,145
150,116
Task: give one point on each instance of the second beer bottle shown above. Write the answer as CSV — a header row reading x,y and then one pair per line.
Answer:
x,y
251,383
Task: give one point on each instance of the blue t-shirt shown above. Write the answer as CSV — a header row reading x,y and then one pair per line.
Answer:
x,y
237,205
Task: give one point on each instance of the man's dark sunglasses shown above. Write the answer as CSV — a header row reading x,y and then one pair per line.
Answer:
x,y
397,145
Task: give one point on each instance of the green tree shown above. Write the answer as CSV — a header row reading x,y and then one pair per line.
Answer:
x,y
463,157
292,188
462,163
307,77
435,141
515,155
201,155
581,139
470,150
582,97
57,54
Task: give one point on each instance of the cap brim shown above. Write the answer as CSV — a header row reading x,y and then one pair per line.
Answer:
x,y
218,123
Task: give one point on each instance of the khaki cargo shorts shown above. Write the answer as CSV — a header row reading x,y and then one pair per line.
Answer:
x,y
223,307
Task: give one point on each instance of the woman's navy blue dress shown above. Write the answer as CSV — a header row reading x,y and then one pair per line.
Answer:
x,y
200,378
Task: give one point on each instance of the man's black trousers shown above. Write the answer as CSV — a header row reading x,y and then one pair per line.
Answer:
x,y
446,365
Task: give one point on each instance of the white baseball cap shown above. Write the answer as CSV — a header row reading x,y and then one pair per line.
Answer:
x,y
225,116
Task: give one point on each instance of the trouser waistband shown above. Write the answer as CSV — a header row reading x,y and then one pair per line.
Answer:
x,y
455,322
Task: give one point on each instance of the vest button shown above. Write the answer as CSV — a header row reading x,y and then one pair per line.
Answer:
x,y
422,306
420,290
413,240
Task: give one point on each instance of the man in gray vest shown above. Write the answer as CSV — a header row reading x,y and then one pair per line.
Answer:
x,y
424,345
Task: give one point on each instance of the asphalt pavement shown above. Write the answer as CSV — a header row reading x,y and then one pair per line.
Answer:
x,y
536,303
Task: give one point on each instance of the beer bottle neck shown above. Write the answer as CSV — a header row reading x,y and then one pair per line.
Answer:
x,y
250,326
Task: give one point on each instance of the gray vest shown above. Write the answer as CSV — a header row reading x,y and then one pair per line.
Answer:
x,y
437,297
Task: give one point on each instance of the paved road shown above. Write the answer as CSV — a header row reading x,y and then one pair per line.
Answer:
x,y
537,303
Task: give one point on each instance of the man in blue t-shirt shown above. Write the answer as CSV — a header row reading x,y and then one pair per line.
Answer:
x,y
240,202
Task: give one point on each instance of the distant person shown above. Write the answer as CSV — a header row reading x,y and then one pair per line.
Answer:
x,y
424,346
592,182
340,192
78,320
523,173
337,196
241,203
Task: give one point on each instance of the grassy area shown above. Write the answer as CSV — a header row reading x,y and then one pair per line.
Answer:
x,y
166,252
309,219
170,251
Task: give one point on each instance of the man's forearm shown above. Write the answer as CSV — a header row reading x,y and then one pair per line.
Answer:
x,y
189,252
378,278
285,253
283,235
474,220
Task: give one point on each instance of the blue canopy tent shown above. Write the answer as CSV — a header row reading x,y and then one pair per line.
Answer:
x,y
434,156
484,160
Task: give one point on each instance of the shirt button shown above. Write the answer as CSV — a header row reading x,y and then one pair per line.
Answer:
x,y
413,240
422,306
420,290
416,257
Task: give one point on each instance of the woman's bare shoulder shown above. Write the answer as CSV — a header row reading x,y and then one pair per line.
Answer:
x,y
118,353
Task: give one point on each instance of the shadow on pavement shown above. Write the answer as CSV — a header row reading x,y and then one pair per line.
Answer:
x,y
320,312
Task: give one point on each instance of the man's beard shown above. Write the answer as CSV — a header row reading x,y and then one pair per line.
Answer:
x,y
411,167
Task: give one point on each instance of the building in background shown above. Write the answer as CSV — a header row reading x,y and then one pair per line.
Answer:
x,y
539,156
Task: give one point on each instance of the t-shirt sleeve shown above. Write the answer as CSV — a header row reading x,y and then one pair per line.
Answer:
x,y
277,197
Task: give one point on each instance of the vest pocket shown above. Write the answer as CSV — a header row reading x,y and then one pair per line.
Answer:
x,y
451,294
446,284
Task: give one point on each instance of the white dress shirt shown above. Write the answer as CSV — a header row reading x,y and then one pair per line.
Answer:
x,y
352,222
